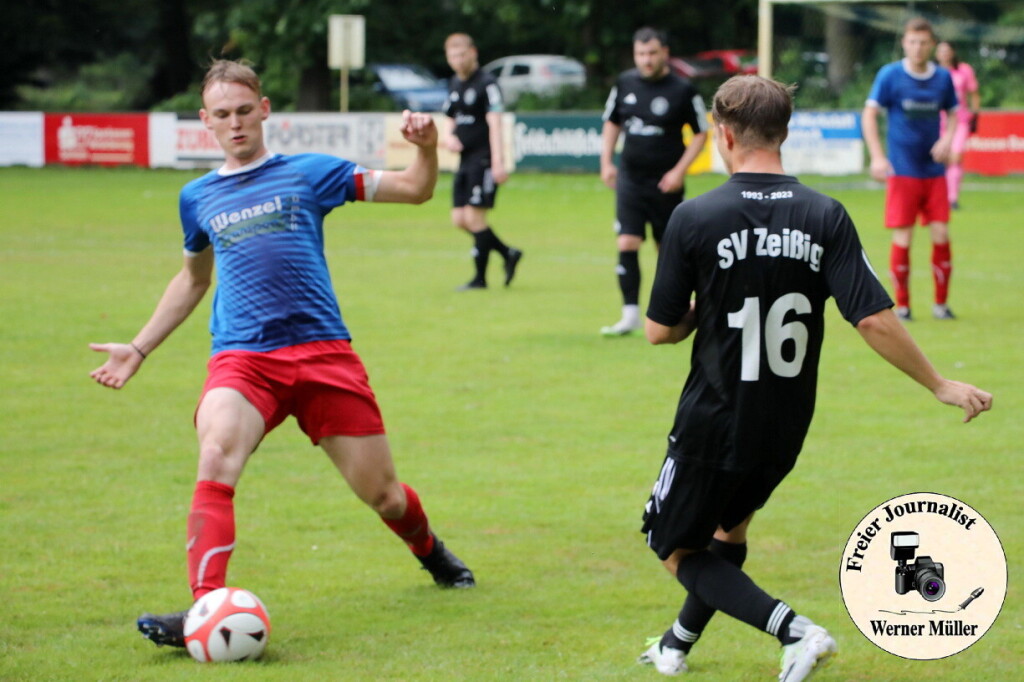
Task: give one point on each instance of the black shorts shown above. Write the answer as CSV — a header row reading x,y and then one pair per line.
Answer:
x,y
640,202
691,500
473,184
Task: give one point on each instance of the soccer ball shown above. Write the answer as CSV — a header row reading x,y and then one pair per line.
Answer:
x,y
229,624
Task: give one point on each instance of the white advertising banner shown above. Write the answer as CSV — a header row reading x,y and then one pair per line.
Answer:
x,y
21,138
824,143
819,143
356,137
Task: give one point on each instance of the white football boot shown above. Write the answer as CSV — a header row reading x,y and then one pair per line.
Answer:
x,y
667,661
808,654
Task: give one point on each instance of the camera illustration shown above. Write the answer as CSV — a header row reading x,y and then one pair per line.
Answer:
x,y
923,575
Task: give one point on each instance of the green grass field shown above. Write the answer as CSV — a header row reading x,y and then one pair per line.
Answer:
x,y
532,441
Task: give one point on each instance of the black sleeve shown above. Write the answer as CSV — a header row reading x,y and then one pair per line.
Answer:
x,y
694,115
675,278
851,279
611,105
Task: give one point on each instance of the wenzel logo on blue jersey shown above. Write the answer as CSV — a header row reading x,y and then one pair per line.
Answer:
x,y
225,219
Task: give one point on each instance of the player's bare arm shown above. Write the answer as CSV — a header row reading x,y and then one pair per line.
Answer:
x,y
943,147
609,138
880,166
675,179
415,184
658,334
183,294
495,137
889,338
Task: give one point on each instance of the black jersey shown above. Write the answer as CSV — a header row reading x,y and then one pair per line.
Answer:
x,y
763,254
469,101
652,115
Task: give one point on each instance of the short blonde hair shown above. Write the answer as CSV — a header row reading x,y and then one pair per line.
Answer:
x,y
229,71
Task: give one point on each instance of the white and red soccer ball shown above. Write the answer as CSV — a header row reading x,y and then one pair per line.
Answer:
x,y
229,624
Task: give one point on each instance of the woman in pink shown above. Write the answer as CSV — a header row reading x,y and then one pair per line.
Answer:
x,y
966,85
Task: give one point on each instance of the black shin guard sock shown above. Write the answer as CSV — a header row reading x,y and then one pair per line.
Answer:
x,y
494,243
481,254
629,277
726,588
695,614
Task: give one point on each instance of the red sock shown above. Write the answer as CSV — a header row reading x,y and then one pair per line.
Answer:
x,y
413,527
942,268
211,536
899,270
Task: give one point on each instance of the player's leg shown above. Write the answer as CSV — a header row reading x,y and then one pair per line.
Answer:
x,y
685,499
229,428
630,229
902,205
955,169
730,545
936,215
366,464
463,218
483,198
336,408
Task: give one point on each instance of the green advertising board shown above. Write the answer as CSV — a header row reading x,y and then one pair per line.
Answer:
x,y
557,142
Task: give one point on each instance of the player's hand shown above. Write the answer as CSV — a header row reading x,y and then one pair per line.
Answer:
x,y
881,169
672,182
973,125
419,128
941,149
121,365
498,173
609,174
971,399
453,144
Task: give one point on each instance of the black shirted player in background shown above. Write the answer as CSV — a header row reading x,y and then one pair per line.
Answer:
x,y
473,129
650,104
761,254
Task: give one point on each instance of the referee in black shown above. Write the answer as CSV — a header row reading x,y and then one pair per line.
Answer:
x,y
761,255
473,130
650,104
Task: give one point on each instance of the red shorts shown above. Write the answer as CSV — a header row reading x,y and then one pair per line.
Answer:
x,y
322,383
907,198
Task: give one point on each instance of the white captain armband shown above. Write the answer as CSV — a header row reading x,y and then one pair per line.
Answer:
x,y
367,183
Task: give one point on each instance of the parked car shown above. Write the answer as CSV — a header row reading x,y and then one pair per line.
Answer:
x,y
731,62
715,64
542,74
411,86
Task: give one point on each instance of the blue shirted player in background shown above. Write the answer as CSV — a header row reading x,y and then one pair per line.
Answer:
x,y
280,345
913,92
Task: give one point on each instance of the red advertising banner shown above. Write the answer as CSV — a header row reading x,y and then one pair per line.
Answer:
x,y
103,139
998,146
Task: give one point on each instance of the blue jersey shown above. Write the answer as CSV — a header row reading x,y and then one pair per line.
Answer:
x,y
913,102
265,223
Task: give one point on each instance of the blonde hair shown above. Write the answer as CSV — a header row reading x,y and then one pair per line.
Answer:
x,y
229,71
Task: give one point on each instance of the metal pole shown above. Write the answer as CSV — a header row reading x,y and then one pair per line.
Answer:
x,y
765,30
344,89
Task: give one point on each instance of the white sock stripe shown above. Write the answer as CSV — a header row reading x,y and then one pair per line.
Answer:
x,y
201,574
775,620
798,627
682,634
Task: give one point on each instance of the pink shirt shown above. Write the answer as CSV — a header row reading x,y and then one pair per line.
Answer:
x,y
964,82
